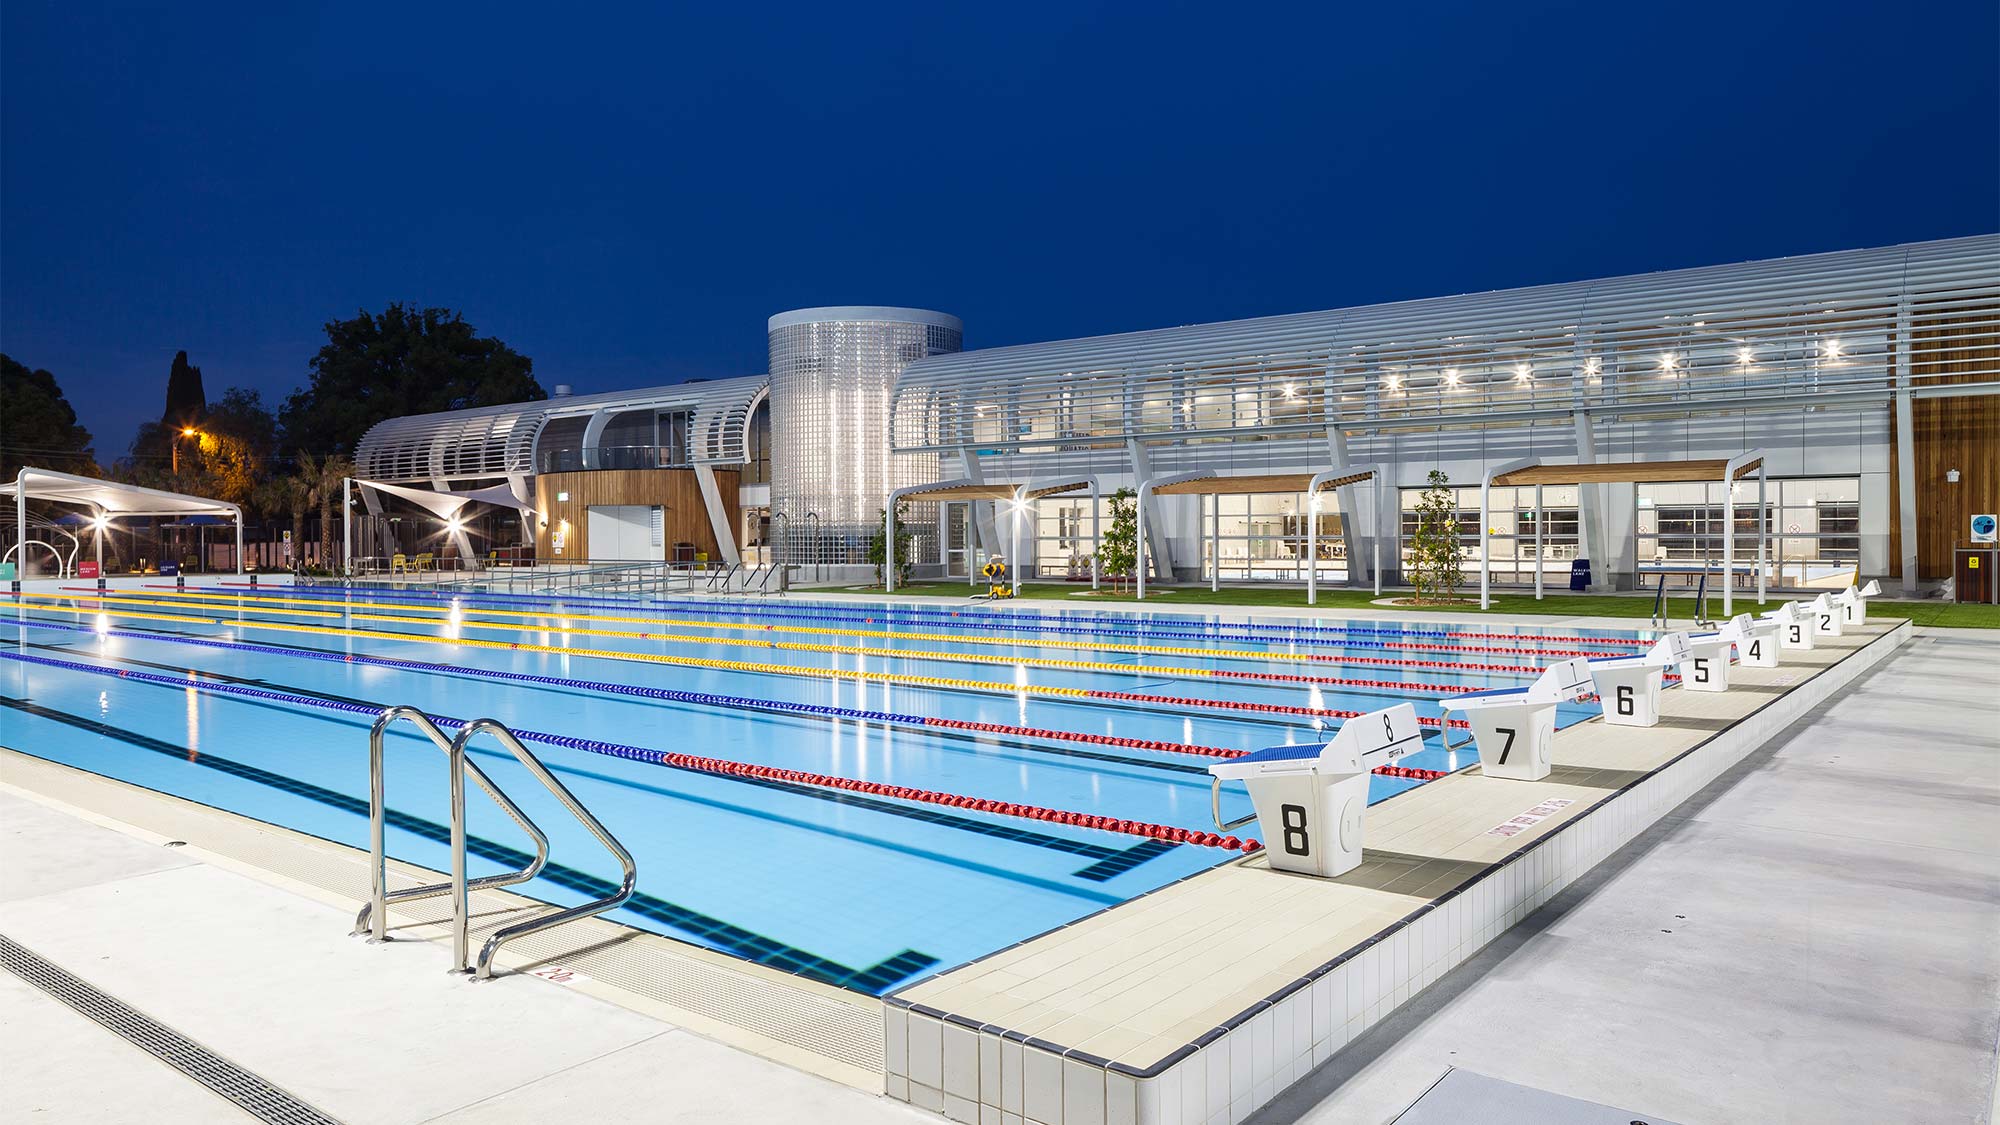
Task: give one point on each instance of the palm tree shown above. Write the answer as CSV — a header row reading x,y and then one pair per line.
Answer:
x,y
327,476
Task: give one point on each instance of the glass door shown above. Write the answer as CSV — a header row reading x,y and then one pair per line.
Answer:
x,y
956,535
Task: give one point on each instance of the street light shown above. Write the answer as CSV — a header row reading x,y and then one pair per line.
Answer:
x,y
186,431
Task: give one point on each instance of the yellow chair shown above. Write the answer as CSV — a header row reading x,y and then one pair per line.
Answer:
x,y
426,561
399,565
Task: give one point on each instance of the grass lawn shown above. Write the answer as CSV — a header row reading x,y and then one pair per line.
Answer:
x,y
1564,604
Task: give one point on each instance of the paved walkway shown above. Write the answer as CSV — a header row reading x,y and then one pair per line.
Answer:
x,y
1813,938
369,1034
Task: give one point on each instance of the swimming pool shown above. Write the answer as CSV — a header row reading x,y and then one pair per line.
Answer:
x,y
858,793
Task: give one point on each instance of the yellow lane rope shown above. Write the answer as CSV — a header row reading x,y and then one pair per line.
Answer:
x,y
809,630
466,621
608,654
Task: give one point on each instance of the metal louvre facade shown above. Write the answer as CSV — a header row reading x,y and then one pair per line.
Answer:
x,y
489,442
1790,333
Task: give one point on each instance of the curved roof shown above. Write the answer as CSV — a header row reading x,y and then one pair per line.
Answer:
x,y
496,441
1754,332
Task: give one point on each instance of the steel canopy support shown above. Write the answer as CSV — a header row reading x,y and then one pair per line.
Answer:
x,y
1146,488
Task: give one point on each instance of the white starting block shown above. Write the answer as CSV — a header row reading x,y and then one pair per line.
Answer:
x,y
1310,798
1707,668
1854,600
1515,728
1795,628
1756,640
1827,618
1630,685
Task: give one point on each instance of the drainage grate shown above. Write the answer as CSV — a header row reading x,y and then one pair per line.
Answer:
x,y
253,1094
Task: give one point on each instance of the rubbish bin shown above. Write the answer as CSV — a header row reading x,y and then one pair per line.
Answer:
x,y
1579,575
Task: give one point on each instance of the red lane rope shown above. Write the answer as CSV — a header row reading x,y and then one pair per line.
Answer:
x,y
1262,708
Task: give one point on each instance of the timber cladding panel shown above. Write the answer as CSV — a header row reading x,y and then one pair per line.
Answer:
x,y
675,490
1950,433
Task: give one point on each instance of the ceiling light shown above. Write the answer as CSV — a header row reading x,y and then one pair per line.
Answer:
x,y
1831,349
1451,376
1521,372
1744,356
1668,361
1593,367
1291,390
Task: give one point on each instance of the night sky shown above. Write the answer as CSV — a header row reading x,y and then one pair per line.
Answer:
x,y
626,199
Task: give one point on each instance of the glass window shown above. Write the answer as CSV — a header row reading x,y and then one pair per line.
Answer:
x,y
1815,525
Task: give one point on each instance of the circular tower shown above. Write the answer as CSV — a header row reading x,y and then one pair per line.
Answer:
x,y
832,371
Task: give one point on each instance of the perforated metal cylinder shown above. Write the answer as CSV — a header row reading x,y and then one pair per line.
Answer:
x,y
832,374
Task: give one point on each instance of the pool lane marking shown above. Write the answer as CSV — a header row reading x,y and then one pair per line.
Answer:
x,y
1023,620
464,620
718,767
728,937
265,601
1243,707
712,699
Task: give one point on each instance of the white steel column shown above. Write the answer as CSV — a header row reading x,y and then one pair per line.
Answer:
x,y
1763,532
1906,457
718,518
1591,525
346,525
21,526
1538,542
1146,487
1734,466
1215,544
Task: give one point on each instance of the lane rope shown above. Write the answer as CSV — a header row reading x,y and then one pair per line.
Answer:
x,y
1139,670
909,679
719,767
1024,620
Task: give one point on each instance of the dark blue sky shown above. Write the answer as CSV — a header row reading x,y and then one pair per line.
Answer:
x,y
625,199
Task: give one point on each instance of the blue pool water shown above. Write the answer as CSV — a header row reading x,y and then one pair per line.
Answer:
x,y
259,703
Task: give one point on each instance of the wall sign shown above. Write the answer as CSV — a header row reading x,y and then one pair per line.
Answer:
x,y
1983,528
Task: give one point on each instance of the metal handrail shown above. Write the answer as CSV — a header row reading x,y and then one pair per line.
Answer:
x,y
374,915
533,765
1660,603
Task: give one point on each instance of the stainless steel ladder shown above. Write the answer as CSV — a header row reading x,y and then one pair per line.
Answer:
x,y
374,916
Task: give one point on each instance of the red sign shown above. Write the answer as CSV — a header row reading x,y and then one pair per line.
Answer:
x,y
86,570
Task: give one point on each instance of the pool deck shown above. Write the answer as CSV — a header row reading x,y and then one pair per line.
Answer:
x,y
1202,1000
260,968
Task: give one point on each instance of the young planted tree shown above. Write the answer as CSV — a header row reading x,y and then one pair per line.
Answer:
x,y
1434,549
1118,550
906,547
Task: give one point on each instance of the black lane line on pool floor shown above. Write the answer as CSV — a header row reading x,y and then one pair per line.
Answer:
x,y
1108,862
732,939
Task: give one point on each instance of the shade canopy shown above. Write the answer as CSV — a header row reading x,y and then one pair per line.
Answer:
x,y
444,504
1627,472
1268,482
969,490
112,498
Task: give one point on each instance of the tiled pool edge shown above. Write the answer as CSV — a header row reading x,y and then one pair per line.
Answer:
x,y
813,1028
986,1074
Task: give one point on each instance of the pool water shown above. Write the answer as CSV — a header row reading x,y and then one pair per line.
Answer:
x,y
259,702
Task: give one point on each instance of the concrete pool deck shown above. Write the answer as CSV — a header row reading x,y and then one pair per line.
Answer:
x,y
78,893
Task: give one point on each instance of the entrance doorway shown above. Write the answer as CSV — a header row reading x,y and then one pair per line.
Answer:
x,y
956,535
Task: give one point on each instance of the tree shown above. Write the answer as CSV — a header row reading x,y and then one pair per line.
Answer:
x,y
1118,550
187,403
241,416
400,361
38,425
324,477
1435,553
906,547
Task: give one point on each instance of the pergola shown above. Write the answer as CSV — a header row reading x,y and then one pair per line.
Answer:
x,y
440,503
1531,471
109,498
1019,494
1210,483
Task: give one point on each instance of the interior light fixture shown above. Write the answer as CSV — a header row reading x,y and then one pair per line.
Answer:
x,y
1451,376
1830,349
1393,382
1744,356
1522,373
1668,361
1291,390
1593,367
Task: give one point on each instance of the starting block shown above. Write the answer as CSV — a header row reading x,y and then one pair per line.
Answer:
x,y
1310,799
1515,728
1827,618
1630,685
1707,668
1854,600
1795,629
1756,640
